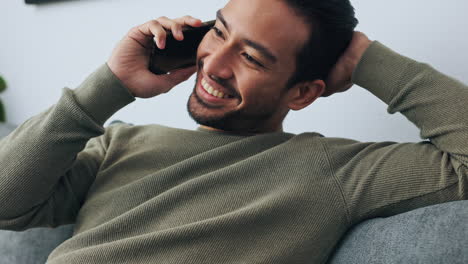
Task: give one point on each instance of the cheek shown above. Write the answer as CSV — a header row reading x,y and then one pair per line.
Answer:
x,y
201,49
259,90
206,45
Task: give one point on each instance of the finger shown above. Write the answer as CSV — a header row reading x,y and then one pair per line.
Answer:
x,y
138,36
326,94
177,76
154,29
189,21
173,26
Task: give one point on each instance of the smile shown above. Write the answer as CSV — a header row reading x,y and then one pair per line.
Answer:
x,y
209,89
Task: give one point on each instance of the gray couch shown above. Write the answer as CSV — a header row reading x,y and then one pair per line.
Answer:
x,y
430,235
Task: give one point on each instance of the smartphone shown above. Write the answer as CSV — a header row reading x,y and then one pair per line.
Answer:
x,y
178,54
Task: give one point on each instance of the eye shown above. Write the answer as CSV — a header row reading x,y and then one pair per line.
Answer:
x,y
251,59
218,32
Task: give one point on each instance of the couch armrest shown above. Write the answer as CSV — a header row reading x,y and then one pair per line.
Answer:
x,y
433,234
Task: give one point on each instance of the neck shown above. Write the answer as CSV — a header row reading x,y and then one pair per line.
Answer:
x,y
278,129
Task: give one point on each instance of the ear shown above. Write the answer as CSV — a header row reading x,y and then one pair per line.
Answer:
x,y
303,94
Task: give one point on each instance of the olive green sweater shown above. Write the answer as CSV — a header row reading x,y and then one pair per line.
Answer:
x,y
154,194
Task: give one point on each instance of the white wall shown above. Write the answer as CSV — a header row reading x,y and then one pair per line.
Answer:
x,y
47,47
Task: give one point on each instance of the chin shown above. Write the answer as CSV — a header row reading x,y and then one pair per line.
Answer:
x,y
206,116
233,121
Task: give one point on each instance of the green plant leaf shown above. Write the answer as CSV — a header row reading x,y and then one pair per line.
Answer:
x,y
2,113
2,84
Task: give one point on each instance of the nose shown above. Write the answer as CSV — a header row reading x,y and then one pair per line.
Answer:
x,y
218,63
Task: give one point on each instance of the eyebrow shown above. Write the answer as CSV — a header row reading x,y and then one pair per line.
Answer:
x,y
259,47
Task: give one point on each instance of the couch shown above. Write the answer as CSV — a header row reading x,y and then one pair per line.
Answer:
x,y
429,235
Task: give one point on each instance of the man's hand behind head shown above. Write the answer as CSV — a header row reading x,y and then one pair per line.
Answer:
x,y
339,79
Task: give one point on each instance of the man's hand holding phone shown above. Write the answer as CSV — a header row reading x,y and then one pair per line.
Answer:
x,y
130,58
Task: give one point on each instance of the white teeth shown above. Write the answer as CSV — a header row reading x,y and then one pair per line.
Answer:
x,y
211,90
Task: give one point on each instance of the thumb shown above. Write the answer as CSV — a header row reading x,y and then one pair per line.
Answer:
x,y
177,76
149,84
183,74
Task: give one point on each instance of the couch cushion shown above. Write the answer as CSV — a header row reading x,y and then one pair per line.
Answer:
x,y
434,234
32,246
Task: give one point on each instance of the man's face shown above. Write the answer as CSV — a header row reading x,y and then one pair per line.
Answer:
x,y
244,64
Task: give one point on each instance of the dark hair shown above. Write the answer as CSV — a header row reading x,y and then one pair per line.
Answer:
x,y
332,24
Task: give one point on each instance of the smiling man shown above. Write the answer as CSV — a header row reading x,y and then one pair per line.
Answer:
x,y
251,62
238,189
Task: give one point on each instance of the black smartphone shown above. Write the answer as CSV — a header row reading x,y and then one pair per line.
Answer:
x,y
178,54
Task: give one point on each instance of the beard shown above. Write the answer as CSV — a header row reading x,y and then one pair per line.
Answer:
x,y
242,120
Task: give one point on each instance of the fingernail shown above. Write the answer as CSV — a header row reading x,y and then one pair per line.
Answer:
x,y
162,43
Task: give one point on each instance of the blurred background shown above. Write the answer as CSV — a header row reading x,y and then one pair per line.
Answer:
x,y
49,46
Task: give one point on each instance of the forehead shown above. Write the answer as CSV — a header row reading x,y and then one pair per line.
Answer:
x,y
271,23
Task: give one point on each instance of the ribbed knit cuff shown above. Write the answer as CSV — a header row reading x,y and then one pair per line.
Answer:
x,y
102,94
380,71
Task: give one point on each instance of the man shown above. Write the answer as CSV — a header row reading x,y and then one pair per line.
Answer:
x,y
238,189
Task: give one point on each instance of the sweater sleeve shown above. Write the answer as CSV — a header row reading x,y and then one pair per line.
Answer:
x,y
50,161
387,178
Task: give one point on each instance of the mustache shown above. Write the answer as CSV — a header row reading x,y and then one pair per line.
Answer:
x,y
222,82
